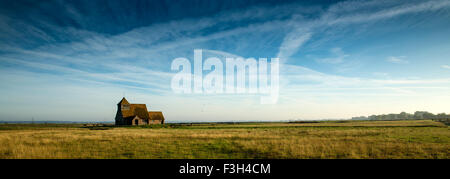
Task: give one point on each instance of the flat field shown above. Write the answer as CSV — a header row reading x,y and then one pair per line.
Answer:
x,y
421,139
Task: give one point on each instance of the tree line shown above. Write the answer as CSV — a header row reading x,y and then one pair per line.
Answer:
x,y
404,116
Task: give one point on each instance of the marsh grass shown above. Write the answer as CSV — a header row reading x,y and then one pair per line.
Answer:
x,y
361,139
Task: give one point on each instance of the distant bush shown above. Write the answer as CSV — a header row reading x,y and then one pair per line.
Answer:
x,y
445,121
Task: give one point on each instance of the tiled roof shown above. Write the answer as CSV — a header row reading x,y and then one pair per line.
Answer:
x,y
124,101
156,115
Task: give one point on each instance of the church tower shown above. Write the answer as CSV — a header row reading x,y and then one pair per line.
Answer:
x,y
122,107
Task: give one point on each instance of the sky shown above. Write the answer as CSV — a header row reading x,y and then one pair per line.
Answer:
x,y
75,60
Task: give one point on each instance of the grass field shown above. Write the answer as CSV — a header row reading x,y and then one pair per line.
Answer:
x,y
339,139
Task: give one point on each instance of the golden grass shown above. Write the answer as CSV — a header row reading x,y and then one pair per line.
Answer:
x,y
380,139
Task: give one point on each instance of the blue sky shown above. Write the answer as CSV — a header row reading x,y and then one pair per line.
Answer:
x,y
74,60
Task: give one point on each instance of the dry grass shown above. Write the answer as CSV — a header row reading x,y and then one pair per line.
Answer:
x,y
380,139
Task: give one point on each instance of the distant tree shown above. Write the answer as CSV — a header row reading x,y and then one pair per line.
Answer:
x,y
404,115
419,114
442,116
428,115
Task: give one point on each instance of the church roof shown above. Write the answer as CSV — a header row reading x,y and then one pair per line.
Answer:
x,y
139,110
156,115
131,110
123,101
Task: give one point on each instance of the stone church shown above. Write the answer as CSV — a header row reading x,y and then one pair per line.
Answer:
x,y
136,114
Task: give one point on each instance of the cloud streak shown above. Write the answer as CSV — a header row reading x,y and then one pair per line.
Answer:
x,y
397,60
446,66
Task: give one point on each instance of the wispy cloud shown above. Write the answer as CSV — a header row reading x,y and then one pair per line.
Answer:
x,y
397,60
338,14
338,57
446,66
